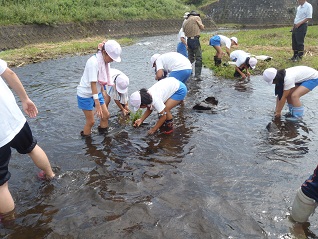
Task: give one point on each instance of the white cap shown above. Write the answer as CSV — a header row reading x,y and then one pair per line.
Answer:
x,y
234,39
186,15
269,75
122,82
154,58
113,49
252,62
135,100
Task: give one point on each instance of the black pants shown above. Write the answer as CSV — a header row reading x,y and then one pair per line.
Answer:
x,y
298,39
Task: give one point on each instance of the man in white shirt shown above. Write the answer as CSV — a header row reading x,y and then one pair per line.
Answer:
x,y
299,30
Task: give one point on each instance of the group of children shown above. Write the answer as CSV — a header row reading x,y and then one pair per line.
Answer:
x,y
100,83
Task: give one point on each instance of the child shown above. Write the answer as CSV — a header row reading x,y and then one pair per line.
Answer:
x,y
182,39
118,91
162,97
16,133
172,63
291,84
217,41
242,62
89,91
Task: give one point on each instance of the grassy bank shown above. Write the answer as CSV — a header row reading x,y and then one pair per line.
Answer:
x,y
274,42
51,12
271,42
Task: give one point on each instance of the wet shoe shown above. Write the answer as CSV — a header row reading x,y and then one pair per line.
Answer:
x,y
85,135
169,127
102,130
294,119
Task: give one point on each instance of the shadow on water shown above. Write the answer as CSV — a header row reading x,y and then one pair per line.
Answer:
x,y
227,172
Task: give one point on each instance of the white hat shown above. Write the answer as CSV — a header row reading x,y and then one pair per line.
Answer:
x,y
252,62
186,15
122,82
234,39
269,75
135,100
154,58
113,49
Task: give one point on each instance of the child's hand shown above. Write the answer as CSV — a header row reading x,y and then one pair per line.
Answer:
x,y
151,131
98,111
137,123
125,112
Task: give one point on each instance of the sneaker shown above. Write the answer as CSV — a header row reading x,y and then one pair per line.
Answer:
x,y
297,58
294,119
169,128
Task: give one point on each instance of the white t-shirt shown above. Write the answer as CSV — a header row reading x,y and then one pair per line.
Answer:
x,y
162,91
90,75
298,74
12,119
239,57
303,11
181,34
111,90
172,61
225,41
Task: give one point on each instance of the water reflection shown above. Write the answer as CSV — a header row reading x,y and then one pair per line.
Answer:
x,y
288,139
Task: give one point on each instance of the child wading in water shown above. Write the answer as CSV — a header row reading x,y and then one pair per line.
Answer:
x,y
89,91
162,97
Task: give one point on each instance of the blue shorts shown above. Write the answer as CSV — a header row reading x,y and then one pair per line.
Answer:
x,y
181,93
88,103
182,75
182,49
215,41
309,84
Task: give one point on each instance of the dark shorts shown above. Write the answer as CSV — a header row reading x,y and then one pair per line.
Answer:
x,y
23,142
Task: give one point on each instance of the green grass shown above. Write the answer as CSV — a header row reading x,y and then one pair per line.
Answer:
x,y
51,12
274,42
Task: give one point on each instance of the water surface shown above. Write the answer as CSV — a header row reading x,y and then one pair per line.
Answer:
x,y
230,172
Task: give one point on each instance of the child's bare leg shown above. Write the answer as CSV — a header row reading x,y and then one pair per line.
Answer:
x,y
104,120
6,200
90,121
41,160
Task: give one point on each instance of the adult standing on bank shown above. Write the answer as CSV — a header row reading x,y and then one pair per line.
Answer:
x,y
192,28
182,39
16,133
299,30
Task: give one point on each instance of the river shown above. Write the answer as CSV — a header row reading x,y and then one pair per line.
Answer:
x,y
229,172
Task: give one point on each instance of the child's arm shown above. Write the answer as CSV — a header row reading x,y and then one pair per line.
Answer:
x,y
124,108
138,122
161,120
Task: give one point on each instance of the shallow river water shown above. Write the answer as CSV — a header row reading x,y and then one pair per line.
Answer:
x,y
230,172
